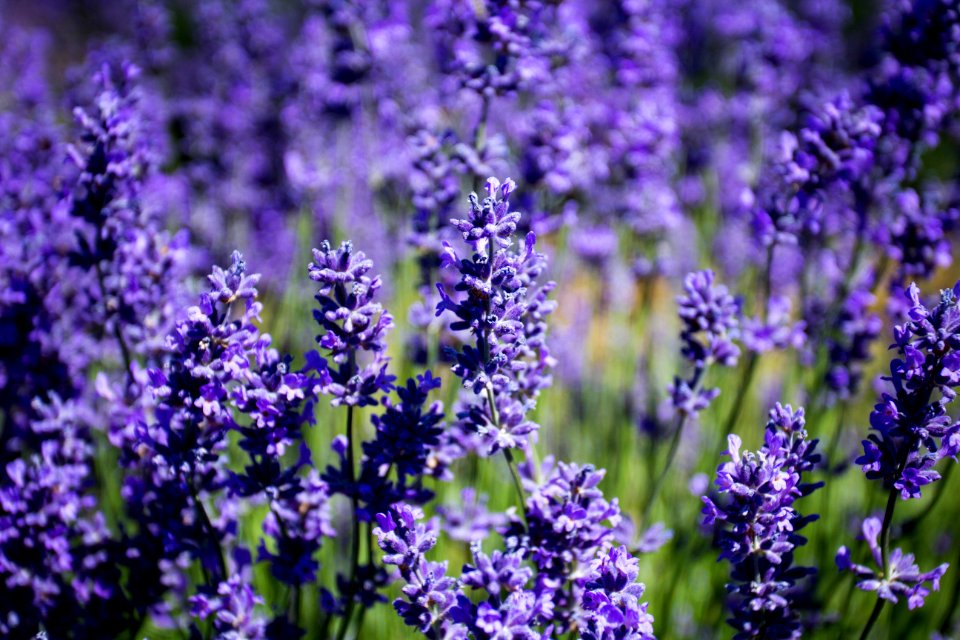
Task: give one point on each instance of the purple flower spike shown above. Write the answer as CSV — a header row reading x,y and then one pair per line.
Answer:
x,y
912,431
353,324
504,309
757,525
711,323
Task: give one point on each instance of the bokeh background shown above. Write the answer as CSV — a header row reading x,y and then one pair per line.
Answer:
x,y
804,151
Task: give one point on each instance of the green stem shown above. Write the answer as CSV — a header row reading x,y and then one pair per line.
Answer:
x,y
690,548
294,605
837,435
355,541
874,616
658,485
325,625
508,455
211,532
885,528
369,536
766,287
748,375
884,556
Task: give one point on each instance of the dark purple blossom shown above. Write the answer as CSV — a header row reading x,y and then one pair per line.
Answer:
x,y
911,428
354,325
757,525
57,555
298,521
849,348
399,457
833,153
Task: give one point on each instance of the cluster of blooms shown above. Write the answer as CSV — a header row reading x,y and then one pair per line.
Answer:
x,y
912,428
504,310
353,323
36,357
631,122
94,258
58,564
218,368
756,527
92,279
761,60
711,323
835,146
916,79
901,578
913,431
295,78
915,85
846,180
596,105
354,329
561,571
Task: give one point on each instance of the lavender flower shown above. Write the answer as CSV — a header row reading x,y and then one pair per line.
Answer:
x,y
913,432
550,594
758,524
900,578
569,524
775,330
835,147
37,357
353,324
915,82
912,429
916,235
710,317
180,452
611,600
496,48
504,311
399,457
298,520
430,594
849,350
233,611
55,548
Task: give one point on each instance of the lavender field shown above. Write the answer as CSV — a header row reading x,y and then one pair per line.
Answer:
x,y
479,319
